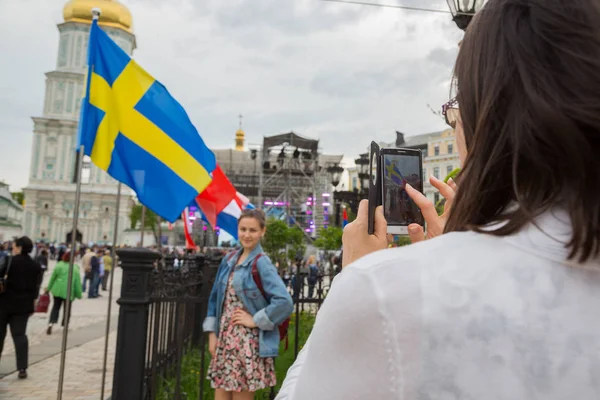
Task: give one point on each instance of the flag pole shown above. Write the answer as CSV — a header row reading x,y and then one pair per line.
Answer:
x,y
67,309
113,255
143,223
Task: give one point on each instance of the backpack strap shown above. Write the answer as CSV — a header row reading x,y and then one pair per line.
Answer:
x,y
256,276
230,256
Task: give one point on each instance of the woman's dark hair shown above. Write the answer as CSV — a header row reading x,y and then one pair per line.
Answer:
x,y
25,244
66,257
255,213
528,80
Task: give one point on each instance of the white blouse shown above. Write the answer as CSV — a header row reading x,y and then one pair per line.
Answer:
x,y
464,316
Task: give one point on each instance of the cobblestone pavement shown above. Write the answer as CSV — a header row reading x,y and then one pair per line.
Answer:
x,y
85,312
83,375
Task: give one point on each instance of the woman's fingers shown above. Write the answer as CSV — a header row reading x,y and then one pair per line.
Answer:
x,y
452,184
416,233
444,188
425,205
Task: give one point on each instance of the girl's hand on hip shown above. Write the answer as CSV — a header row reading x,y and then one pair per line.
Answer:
x,y
435,222
212,344
241,317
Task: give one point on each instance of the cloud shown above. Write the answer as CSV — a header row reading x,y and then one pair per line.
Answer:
x,y
342,73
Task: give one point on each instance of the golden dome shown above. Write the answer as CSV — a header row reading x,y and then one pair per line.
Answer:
x,y
240,133
114,14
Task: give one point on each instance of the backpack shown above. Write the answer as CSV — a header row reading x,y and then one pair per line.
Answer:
x,y
284,326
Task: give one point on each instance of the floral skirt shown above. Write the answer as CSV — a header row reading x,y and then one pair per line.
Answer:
x,y
237,366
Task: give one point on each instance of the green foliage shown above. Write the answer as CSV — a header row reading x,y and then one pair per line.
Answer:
x,y
296,242
280,237
275,238
452,175
439,206
135,218
330,238
19,197
192,360
402,241
150,220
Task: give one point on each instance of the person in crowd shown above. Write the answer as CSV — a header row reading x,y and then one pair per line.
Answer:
x,y
86,264
242,323
3,251
42,259
502,302
61,252
95,271
17,303
57,286
108,261
313,275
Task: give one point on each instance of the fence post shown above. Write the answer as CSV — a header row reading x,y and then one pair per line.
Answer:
x,y
200,306
128,379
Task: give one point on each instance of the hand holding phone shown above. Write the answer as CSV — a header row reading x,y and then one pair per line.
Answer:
x,y
356,241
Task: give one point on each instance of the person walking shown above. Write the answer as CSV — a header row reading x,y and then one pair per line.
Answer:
x,y
17,303
108,261
57,286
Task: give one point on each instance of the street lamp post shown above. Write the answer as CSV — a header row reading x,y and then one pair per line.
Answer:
x,y
463,11
335,172
363,174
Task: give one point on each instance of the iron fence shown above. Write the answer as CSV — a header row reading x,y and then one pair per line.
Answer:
x,y
162,305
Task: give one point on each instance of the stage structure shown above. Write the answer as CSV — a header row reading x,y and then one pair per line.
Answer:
x,y
293,181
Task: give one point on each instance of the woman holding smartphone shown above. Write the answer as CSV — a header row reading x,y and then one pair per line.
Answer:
x,y
503,303
242,323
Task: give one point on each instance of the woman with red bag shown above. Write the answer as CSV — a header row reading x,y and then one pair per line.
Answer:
x,y
21,279
58,287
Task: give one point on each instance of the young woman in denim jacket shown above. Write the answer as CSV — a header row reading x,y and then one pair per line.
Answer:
x,y
242,324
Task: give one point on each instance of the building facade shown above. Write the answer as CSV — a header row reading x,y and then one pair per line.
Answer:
x,y
440,156
11,214
50,194
441,159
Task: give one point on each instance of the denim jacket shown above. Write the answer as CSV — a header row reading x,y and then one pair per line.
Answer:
x,y
268,313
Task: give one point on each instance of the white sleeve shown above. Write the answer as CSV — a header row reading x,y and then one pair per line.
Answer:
x,y
289,384
350,355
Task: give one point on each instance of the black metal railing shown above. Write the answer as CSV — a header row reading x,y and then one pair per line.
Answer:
x,y
163,304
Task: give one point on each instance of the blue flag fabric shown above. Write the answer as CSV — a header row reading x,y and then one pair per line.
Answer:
x,y
132,128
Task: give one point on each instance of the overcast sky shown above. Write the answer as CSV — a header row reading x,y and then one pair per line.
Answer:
x,y
342,73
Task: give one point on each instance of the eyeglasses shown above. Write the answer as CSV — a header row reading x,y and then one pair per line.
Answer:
x,y
450,112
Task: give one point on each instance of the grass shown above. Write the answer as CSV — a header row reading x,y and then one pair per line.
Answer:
x,y
190,367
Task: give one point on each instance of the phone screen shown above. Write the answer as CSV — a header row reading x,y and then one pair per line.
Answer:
x,y
398,207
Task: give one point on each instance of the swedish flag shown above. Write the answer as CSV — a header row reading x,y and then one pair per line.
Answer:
x,y
131,127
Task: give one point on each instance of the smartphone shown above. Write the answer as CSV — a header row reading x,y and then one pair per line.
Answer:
x,y
374,185
398,167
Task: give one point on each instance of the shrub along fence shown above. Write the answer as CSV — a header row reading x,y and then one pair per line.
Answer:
x,y
161,351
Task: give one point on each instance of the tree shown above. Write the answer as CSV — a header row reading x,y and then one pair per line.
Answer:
x,y
330,238
150,220
453,174
19,197
279,238
296,242
439,207
275,238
